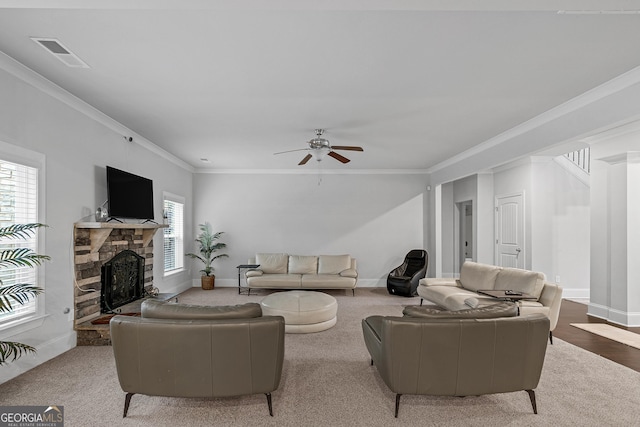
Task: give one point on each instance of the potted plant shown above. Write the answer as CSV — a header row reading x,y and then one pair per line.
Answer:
x,y
208,246
18,293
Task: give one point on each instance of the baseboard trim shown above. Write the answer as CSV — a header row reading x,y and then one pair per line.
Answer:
x,y
575,293
233,283
611,315
181,287
45,351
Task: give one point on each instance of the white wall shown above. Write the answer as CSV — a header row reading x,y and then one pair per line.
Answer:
x,y
377,218
615,210
560,211
76,149
557,221
478,189
484,218
447,231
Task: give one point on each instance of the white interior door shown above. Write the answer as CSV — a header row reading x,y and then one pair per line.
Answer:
x,y
510,231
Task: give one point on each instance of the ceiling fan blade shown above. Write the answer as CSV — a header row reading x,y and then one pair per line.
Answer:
x,y
305,160
346,147
290,151
338,157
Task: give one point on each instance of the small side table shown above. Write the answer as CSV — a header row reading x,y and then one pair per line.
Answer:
x,y
240,268
507,296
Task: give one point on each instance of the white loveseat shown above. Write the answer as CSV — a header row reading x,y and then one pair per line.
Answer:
x,y
284,271
462,293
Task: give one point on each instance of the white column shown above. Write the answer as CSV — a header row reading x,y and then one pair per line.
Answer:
x,y
615,235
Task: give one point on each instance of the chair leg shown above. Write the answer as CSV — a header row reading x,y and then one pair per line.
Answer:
x,y
353,291
397,403
421,300
127,401
551,337
371,362
269,403
532,397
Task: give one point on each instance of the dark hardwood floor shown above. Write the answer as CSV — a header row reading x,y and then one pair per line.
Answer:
x,y
574,312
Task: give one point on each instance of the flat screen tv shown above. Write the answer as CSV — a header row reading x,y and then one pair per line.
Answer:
x,y
129,195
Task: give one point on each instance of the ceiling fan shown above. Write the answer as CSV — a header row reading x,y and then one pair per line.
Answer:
x,y
320,147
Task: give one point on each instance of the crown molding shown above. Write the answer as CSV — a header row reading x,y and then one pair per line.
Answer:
x,y
564,7
614,85
312,171
628,157
46,86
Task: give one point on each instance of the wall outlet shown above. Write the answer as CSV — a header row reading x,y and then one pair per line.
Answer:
x,y
557,279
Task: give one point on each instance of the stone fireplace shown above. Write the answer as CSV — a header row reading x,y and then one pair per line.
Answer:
x,y
122,280
96,244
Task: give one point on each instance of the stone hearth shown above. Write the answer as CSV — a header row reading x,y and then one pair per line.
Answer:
x,y
94,244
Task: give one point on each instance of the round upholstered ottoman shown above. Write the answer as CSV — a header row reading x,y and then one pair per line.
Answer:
x,y
303,311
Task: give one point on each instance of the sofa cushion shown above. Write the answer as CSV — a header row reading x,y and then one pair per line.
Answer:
x,y
156,309
273,263
449,297
275,281
438,281
501,309
515,279
327,281
301,264
475,277
350,272
333,264
472,302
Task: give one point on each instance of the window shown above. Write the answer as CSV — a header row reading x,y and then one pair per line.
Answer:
x,y
173,234
19,205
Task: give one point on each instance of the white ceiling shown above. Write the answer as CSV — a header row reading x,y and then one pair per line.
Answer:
x,y
413,82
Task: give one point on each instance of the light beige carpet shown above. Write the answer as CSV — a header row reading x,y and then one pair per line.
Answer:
x,y
616,334
327,381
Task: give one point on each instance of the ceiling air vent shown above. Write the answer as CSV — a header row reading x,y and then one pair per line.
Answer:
x,y
54,47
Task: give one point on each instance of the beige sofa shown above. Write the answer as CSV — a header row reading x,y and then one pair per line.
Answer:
x,y
440,355
181,350
462,293
284,271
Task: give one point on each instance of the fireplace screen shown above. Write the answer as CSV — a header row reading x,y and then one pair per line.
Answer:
x,y
122,280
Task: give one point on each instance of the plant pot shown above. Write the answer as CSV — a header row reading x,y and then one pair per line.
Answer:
x,y
208,282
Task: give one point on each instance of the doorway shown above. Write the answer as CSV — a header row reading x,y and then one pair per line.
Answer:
x,y
465,239
510,231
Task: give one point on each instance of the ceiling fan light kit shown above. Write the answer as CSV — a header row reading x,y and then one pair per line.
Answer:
x,y
320,148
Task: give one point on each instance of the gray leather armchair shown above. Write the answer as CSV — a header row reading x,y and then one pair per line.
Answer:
x,y
457,357
226,351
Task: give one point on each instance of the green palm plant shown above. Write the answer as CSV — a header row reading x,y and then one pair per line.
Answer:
x,y
19,293
208,246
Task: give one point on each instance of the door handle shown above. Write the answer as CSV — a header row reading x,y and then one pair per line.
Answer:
x,y
518,250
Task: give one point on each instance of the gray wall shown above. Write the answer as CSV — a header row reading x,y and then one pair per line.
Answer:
x,y
376,218
76,148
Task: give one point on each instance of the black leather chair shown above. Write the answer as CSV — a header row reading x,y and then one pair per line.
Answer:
x,y
404,279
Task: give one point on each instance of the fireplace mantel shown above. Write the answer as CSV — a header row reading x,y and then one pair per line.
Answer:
x,y
101,230
95,243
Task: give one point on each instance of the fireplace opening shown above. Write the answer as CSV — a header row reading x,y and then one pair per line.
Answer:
x,y
122,280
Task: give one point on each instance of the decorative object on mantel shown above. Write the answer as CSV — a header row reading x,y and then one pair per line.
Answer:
x,y
208,246
102,214
18,293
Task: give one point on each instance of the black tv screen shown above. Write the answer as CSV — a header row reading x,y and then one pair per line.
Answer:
x,y
129,195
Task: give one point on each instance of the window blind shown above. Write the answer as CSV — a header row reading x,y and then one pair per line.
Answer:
x,y
18,205
173,236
